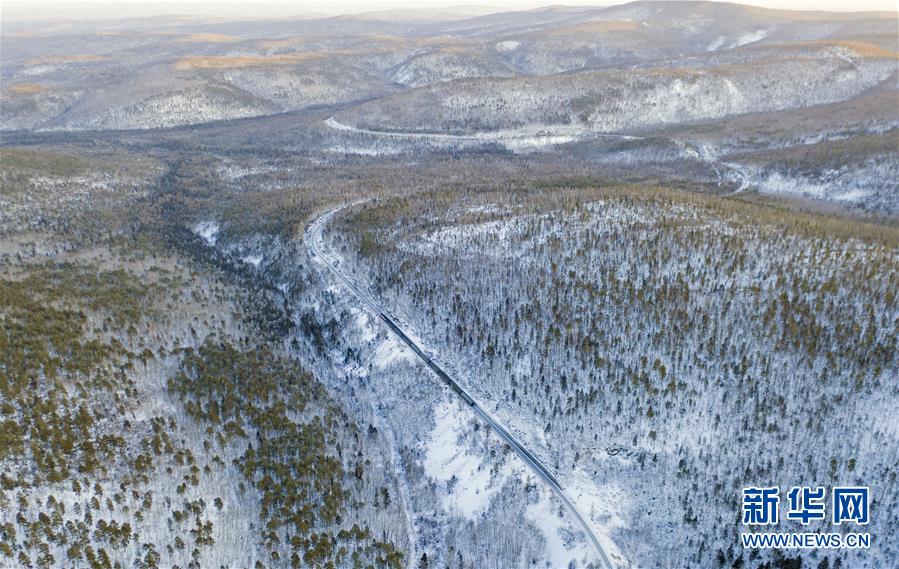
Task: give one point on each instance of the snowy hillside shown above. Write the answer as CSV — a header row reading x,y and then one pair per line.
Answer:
x,y
634,335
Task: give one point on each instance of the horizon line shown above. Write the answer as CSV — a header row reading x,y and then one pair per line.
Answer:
x,y
211,10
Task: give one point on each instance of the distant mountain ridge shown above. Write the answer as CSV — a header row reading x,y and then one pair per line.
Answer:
x,y
163,72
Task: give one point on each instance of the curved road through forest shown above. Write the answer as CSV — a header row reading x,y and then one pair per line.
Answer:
x,y
487,136
315,242
739,172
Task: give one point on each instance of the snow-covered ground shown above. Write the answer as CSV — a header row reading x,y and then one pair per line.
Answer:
x,y
208,231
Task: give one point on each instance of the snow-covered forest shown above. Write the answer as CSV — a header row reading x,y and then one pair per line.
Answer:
x,y
658,345
152,416
445,288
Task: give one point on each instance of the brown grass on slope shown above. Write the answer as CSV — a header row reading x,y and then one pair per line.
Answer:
x,y
23,89
863,49
208,38
71,58
242,61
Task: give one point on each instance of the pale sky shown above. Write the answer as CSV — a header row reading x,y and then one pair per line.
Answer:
x,y
90,9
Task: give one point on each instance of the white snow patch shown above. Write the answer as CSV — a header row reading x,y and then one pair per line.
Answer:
x,y
745,39
851,196
716,45
751,37
562,548
392,351
252,260
777,183
363,322
39,69
380,150
601,507
208,231
507,46
467,477
536,143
